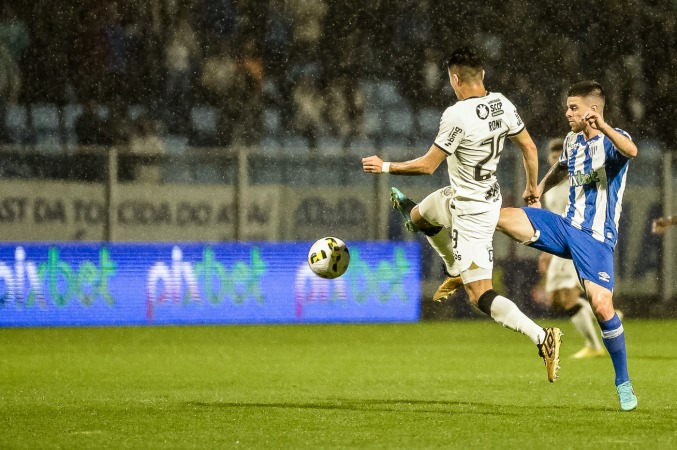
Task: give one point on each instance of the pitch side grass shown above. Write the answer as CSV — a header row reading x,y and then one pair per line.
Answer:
x,y
465,384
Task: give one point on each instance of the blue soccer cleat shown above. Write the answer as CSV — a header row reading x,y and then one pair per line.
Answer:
x,y
627,396
404,205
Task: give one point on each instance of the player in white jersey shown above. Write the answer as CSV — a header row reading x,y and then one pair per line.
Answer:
x,y
595,159
561,279
470,139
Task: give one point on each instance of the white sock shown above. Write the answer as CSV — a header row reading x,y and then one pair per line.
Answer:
x,y
442,244
584,321
509,315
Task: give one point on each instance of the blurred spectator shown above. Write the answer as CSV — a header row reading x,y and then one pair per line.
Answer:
x,y
122,41
249,84
307,18
13,32
307,21
219,81
149,21
345,109
181,60
534,50
47,68
88,56
10,85
147,147
433,80
309,110
277,40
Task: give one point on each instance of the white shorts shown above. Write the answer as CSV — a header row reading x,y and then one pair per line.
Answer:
x,y
436,207
561,274
472,237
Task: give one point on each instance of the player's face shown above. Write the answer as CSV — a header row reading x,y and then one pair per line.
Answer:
x,y
576,109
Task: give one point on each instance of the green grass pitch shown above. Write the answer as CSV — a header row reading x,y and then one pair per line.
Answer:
x,y
464,384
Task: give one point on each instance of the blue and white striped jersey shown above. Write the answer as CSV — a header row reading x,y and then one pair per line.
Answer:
x,y
597,174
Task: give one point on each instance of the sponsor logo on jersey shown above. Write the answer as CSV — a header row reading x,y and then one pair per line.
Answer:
x,y
496,107
482,111
453,135
580,178
604,276
493,192
519,119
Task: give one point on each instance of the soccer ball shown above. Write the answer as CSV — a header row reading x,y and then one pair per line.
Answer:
x,y
329,257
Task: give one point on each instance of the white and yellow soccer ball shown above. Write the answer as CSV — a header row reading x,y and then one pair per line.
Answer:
x,y
329,257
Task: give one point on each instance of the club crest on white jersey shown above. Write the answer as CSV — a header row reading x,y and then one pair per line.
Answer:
x,y
473,132
597,175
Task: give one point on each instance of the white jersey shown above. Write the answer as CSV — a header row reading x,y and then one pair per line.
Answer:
x,y
597,174
474,131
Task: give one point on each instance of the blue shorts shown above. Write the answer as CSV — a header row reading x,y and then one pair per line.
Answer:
x,y
594,260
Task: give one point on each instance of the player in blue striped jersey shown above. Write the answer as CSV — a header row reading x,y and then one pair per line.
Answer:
x,y
595,159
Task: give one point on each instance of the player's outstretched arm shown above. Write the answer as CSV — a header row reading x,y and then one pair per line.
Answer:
x,y
555,175
424,165
530,159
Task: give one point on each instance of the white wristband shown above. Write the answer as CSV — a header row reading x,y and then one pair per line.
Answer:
x,y
385,168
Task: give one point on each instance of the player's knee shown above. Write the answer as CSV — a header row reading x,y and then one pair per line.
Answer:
x,y
602,305
505,218
514,223
417,218
423,224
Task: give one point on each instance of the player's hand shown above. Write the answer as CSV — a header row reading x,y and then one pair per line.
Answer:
x,y
532,198
372,164
595,120
658,226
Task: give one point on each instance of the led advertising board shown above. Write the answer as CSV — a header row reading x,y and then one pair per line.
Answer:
x,y
94,284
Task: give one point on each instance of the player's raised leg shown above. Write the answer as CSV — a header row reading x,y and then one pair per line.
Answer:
x,y
514,223
431,218
404,205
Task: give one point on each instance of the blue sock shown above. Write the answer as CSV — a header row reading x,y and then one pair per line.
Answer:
x,y
614,341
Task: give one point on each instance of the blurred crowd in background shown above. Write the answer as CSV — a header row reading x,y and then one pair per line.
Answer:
x,y
317,68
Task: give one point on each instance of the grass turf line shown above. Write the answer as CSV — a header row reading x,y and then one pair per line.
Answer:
x,y
470,384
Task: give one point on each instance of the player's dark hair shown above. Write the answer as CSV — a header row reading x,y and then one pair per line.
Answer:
x,y
467,61
555,145
587,88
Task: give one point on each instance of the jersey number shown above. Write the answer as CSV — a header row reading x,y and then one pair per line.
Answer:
x,y
495,144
